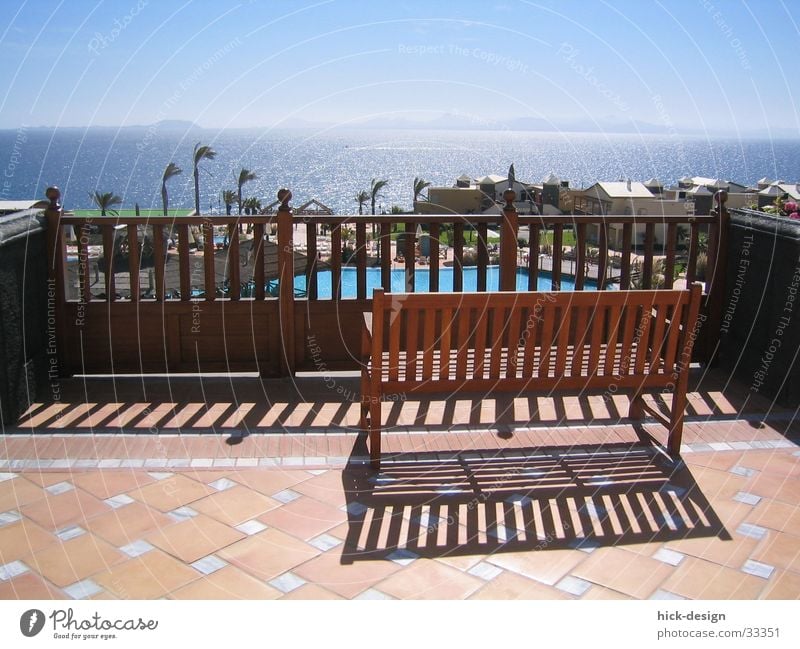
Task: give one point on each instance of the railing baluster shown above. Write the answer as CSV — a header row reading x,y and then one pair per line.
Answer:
x,y
409,254
647,266
386,256
108,257
602,257
312,284
84,270
209,278
534,232
580,256
458,256
669,265
361,259
336,262
258,261
433,258
558,238
627,246
694,241
483,255
185,262
133,261
234,265
159,261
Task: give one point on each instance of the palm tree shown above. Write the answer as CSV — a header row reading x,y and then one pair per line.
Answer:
x,y
201,153
245,176
252,205
420,186
229,198
171,170
361,198
105,202
375,187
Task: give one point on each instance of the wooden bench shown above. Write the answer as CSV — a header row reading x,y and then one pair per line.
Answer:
x,y
457,343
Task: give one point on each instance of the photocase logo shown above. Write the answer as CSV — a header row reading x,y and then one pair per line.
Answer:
x,y
31,622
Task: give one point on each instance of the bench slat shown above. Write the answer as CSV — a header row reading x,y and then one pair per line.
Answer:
x,y
496,333
626,352
479,346
562,346
412,334
548,314
512,361
444,343
395,324
615,325
658,338
581,335
428,342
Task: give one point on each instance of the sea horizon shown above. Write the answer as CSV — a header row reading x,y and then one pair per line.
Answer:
x,y
333,165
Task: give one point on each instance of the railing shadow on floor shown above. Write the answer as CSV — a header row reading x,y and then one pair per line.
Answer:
x,y
239,405
486,502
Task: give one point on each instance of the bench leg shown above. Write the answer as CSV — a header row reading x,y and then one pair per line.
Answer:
x,y
364,400
676,422
375,431
636,409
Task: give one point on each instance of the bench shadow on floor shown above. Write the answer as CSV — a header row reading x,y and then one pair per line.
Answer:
x,y
485,502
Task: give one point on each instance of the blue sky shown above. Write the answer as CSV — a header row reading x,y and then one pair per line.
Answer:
x,y
687,64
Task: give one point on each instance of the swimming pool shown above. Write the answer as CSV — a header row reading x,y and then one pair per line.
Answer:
x,y
422,281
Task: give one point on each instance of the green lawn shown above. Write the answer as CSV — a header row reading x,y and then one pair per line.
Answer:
x,y
127,213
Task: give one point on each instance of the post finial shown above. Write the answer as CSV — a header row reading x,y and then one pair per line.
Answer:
x,y
509,196
284,196
721,197
53,194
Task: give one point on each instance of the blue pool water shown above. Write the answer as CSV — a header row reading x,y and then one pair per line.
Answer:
x,y
422,281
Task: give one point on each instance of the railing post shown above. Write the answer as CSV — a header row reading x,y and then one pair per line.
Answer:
x,y
716,271
286,283
509,229
56,293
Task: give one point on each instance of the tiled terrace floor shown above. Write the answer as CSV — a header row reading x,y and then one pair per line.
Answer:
x,y
144,491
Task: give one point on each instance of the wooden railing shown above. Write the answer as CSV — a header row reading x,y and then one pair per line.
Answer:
x,y
245,287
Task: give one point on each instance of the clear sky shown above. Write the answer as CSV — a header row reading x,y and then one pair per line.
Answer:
x,y
705,64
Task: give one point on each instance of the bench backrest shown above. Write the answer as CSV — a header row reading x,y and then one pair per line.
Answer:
x,y
492,336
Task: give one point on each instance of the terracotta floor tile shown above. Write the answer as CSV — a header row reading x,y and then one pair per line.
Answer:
x,y
17,492
111,482
127,524
782,585
46,478
461,562
236,505
270,481
775,487
149,576
194,538
21,538
304,518
311,591
29,586
348,580
699,579
268,554
780,550
546,566
775,515
601,593
73,507
227,583
65,563
722,461
171,493
425,579
731,553
623,571
207,476
510,585
776,463
326,488
717,485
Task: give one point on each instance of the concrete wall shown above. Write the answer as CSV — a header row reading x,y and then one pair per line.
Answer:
x,y
23,313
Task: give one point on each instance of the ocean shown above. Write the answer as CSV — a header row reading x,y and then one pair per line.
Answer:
x,y
333,166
